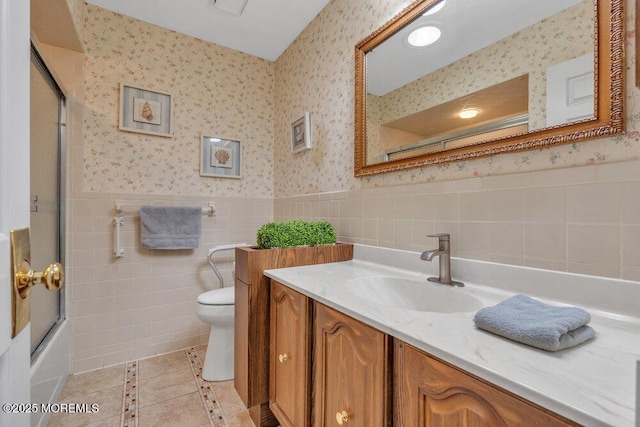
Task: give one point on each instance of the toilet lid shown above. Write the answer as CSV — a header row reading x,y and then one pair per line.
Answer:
x,y
224,296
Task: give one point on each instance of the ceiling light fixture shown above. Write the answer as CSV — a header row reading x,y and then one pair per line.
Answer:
x,y
424,36
468,113
435,8
233,6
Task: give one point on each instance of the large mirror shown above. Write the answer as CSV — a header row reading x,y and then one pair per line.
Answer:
x,y
450,80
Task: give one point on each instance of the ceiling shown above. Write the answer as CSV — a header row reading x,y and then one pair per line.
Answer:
x,y
467,26
502,100
265,28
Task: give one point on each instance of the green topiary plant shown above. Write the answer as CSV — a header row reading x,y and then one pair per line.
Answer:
x,y
295,233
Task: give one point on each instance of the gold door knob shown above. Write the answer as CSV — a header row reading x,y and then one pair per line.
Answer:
x,y
52,277
342,417
283,358
24,278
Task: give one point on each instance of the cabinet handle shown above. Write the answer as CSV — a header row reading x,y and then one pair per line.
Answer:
x,y
283,358
342,417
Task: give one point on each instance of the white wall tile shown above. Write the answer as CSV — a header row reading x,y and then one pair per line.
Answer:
x,y
630,246
420,231
385,230
385,207
620,171
593,203
474,237
630,204
423,207
403,234
545,204
593,244
563,176
446,207
545,241
474,206
506,239
403,207
505,205
370,231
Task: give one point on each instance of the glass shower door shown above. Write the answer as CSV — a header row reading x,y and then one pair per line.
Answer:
x,y
47,114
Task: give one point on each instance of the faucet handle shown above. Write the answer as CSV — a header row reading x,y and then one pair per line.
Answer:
x,y
440,236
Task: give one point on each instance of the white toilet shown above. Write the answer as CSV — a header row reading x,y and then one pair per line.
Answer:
x,y
216,309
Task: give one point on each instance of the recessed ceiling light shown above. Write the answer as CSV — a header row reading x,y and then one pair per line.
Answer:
x,y
424,36
435,8
468,113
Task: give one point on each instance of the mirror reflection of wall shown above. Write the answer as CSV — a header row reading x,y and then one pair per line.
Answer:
x,y
504,78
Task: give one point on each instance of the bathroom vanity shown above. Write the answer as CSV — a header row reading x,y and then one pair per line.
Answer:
x,y
251,318
373,356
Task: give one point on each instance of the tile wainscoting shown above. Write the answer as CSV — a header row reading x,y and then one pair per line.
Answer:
x,y
582,219
144,304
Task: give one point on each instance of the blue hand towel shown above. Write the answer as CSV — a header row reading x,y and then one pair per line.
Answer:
x,y
529,321
164,227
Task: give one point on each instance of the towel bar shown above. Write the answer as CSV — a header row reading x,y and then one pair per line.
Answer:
x,y
120,207
118,221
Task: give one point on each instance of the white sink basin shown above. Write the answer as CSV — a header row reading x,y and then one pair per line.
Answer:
x,y
412,294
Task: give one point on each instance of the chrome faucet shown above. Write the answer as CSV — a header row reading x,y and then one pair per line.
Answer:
x,y
443,251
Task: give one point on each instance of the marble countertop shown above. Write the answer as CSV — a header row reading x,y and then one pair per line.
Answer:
x,y
593,384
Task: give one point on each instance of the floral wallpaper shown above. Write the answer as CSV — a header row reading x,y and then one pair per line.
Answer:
x,y
315,74
215,90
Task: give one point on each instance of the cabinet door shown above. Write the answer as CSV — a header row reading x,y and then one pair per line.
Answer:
x,y
432,393
351,379
290,356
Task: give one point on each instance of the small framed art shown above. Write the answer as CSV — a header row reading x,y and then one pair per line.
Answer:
x,y
145,111
300,133
220,157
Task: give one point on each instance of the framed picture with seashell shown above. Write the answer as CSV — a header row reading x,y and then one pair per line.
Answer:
x,y
300,133
220,157
145,111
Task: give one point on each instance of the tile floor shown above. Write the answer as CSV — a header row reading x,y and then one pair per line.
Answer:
x,y
165,390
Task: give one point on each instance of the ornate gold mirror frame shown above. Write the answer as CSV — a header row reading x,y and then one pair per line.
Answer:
x,y
609,99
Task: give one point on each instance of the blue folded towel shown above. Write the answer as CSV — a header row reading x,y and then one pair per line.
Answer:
x,y
529,321
164,227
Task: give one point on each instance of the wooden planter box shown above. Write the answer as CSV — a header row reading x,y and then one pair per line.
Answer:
x,y
251,341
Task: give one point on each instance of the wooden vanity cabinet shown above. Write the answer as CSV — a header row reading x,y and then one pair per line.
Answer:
x,y
431,393
251,327
351,379
290,375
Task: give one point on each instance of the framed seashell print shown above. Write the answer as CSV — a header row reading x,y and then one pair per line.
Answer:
x,y
220,157
145,111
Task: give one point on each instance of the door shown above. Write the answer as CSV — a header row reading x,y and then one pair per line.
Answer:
x,y
290,356
570,91
14,196
351,377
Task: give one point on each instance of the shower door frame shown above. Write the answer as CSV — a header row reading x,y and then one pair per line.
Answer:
x,y
41,64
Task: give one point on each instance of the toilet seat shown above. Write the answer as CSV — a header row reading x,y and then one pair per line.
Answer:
x,y
222,296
